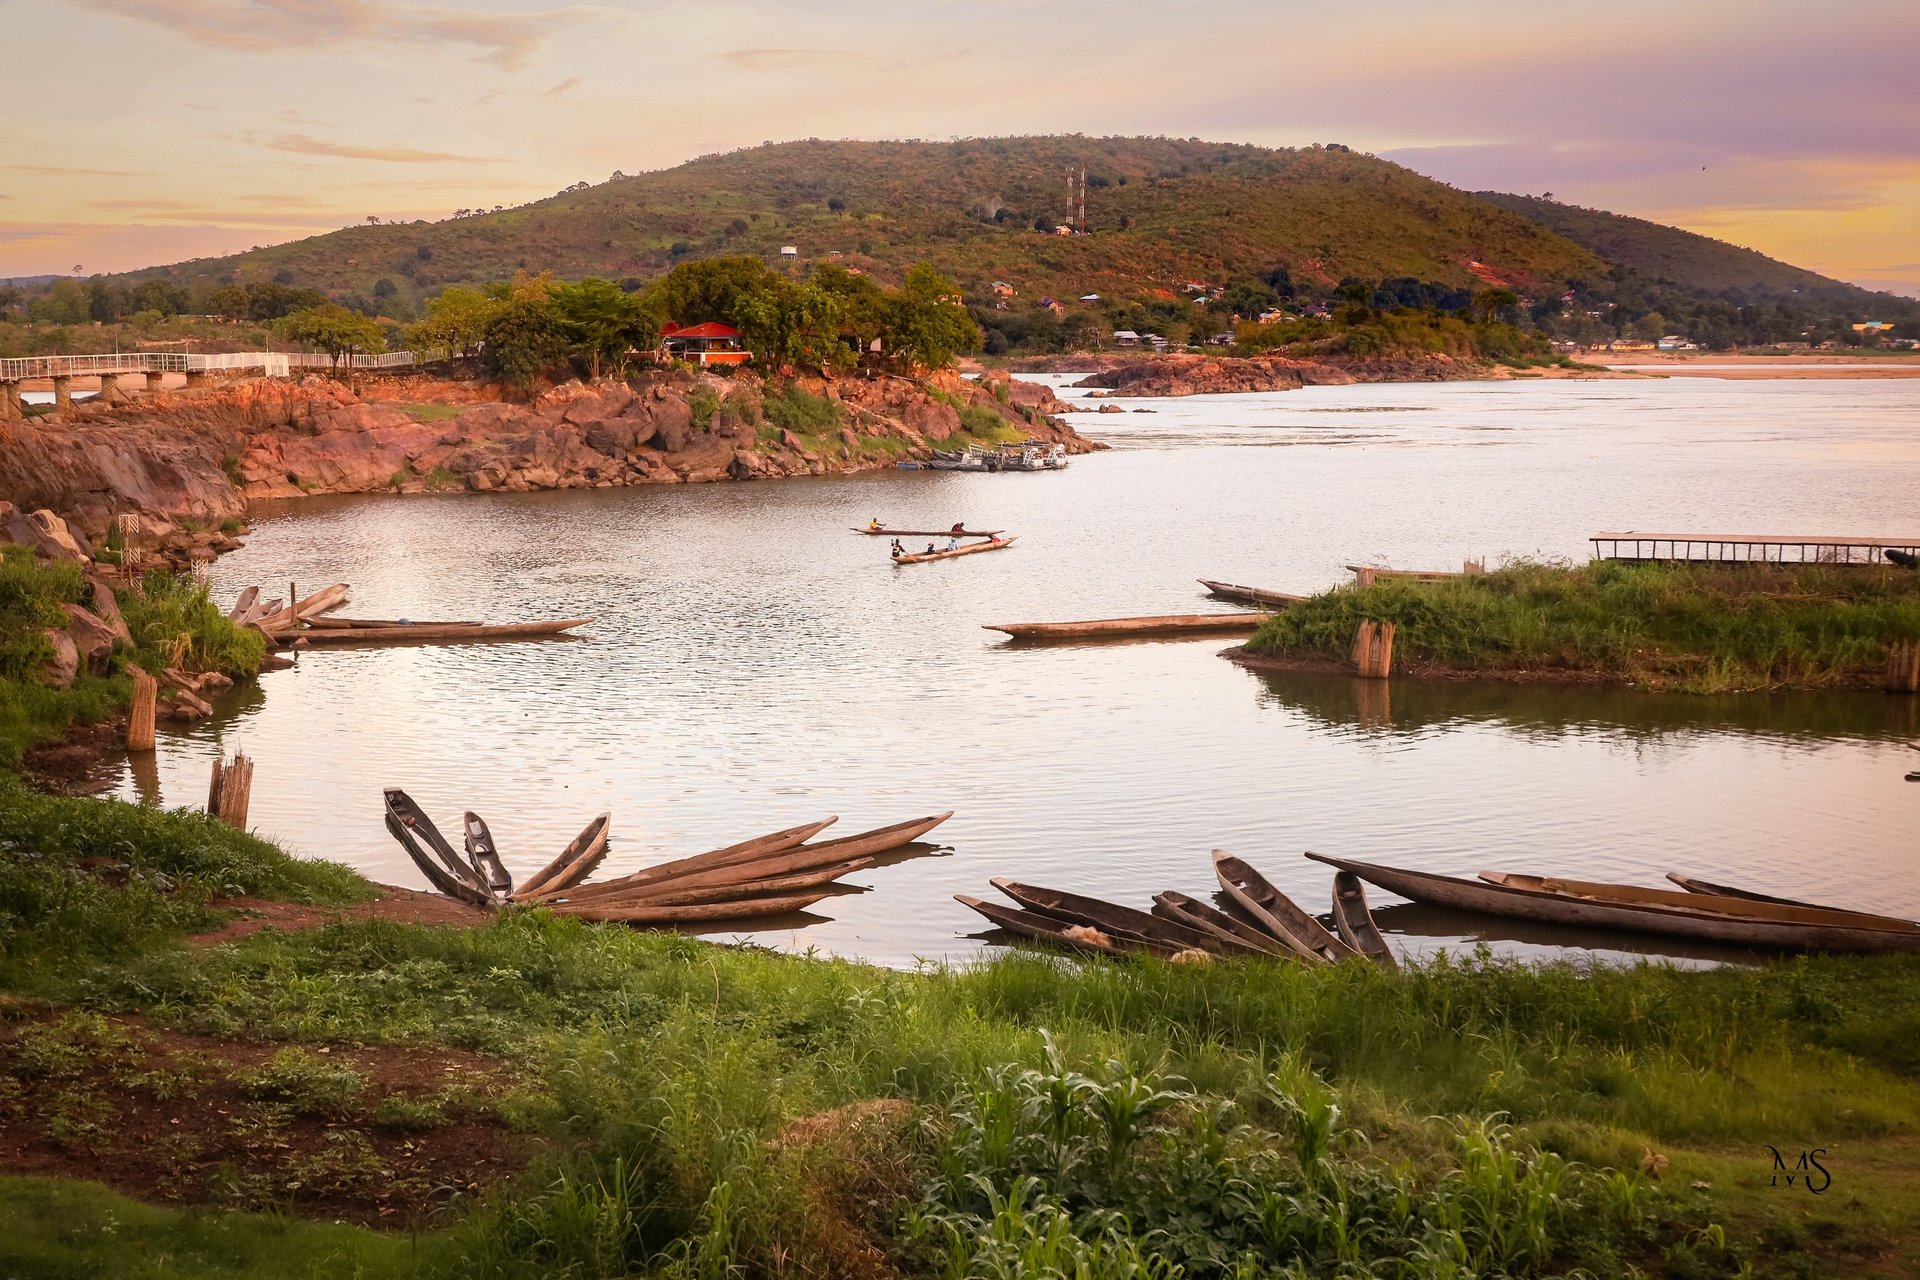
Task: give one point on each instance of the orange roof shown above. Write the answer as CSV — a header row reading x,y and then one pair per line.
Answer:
x,y
711,329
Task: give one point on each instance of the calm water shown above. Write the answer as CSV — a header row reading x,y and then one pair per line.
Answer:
x,y
755,665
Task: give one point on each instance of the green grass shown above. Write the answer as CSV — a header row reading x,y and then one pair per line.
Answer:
x,y
31,595
1693,628
432,412
799,411
175,622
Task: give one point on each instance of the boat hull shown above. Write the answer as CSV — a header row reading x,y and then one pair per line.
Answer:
x,y
1249,595
1276,912
1354,921
1157,625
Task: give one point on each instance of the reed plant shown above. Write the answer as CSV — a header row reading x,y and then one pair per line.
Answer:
x,y
1692,627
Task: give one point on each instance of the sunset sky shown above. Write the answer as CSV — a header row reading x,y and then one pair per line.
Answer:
x,y
147,131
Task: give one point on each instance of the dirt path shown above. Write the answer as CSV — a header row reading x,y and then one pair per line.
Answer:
x,y
402,906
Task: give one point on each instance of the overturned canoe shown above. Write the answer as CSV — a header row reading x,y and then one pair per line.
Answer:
x,y
1553,908
693,913
1110,918
1249,595
444,869
1237,934
1275,912
745,851
1031,924
1708,889
1170,624
1746,908
996,544
575,863
930,533
1354,921
484,856
454,631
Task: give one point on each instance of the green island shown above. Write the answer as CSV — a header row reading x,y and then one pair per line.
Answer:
x,y
220,1060
1690,628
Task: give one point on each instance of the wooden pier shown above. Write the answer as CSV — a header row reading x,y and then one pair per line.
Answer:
x,y
1749,548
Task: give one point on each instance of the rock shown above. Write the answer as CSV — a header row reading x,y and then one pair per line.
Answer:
x,y
274,662
107,608
214,680
59,670
188,705
1111,408
56,540
94,639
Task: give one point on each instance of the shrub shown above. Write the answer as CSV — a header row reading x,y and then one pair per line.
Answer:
x,y
800,411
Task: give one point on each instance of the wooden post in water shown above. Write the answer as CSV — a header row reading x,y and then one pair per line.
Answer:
x,y
1903,667
1382,651
1362,653
231,790
1373,649
1363,578
146,691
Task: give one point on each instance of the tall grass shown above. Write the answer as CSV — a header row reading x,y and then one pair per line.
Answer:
x,y
174,621
1700,628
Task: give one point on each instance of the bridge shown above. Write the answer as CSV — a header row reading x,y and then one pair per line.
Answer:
x,y
60,371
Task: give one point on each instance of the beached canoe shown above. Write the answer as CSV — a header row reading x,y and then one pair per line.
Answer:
x,y
972,548
694,913
1110,917
444,631
929,533
1708,889
575,863
1031,924
1237,934
1249,595
1589,913
745,851
444,869
1275,912
1177,624
1354,920
679,893
484,856
1746,908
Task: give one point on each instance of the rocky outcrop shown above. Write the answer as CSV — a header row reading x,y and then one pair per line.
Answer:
x,y
187,464
1126,374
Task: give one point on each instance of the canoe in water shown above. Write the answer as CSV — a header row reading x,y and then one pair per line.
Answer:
x,y
484,856
1237,934
575,863
1708,889
446,631
1175,624
694,913
1745,908
1591,913
1249,595
444,869
1111,918
1354,921
929,533
972,548
1041,928
1276,912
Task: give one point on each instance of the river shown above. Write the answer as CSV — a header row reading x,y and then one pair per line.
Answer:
x,y
753,665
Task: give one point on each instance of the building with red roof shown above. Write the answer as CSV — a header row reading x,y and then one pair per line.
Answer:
x,y
705,344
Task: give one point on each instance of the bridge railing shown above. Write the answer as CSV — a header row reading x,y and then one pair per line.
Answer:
x,y
272,363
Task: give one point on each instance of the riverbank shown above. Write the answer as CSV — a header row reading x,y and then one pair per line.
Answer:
x,y
1690,628
1140,373
534,1097
189,465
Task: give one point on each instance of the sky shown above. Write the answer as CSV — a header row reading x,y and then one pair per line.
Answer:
x,y
139,132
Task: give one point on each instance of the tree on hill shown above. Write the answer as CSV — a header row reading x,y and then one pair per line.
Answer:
x,y
1489,303
335,329
927,321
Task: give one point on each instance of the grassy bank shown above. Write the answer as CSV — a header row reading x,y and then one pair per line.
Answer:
x,y
656,1105
172,620
1697,628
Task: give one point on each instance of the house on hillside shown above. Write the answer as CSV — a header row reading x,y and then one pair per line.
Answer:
x,y
1001,289
1222,339
1274,316
1125,338
706,344
1054,305
1631,344
1677,342
1154,340
1090,299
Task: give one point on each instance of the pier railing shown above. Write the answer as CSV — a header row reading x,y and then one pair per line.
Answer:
x,y
272,363
1744,548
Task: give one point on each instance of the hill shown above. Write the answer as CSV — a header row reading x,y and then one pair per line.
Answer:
x,y
1160,212
1682,260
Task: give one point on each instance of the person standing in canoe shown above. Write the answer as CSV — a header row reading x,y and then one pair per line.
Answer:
x,y
898,550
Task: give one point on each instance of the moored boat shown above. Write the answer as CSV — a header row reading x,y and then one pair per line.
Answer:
x,y
1746,908
694,913
453,631
1115,628
1354,920
575,863
733,854
1552,908
1110,917
971,548
1249,595
1707,888
1275,912
1031,924
484,856
1231,930
444,869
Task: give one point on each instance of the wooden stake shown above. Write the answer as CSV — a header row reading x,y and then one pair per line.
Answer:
x,y
1363,578
1362,645
1383,651
146,691
231,791
1903,667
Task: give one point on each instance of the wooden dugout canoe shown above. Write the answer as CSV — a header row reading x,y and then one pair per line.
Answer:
x,y
325,623
678,893
1354,921
321,601
1708,889
1031,924
1110,917
928,533
693,913
1168,624
970,549
1552,908
1249,595
1237,934
1276,912
247,600
746,850
575,863
484,856
1668,899
444,869
454,631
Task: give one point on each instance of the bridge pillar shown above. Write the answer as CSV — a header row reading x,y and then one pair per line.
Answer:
x,y
156,382
10,410
196,379
110,389
63,393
